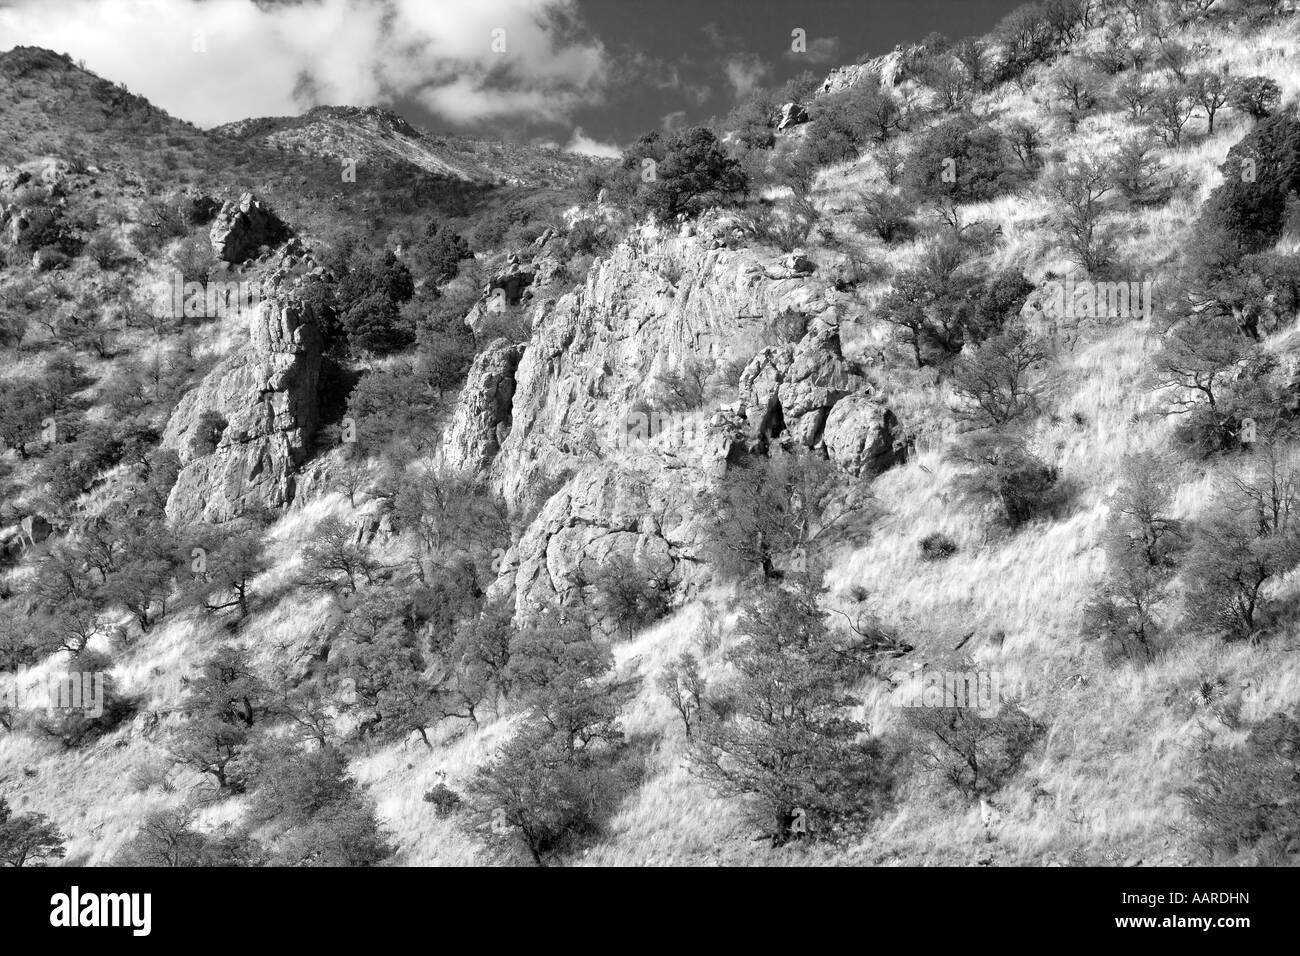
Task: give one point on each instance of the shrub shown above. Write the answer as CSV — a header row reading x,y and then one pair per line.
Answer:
x,y
1001,379
976,755
1139,176
1257,96
961,160
937,546
46,229
445,800
103,249
27,839
786,225
792,748
1010,476
696,174
1243,797
887,216
628,594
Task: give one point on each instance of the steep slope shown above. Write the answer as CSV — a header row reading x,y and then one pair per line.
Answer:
x,y
576,416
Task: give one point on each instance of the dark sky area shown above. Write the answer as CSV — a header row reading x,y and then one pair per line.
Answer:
x,y
701,39
678,62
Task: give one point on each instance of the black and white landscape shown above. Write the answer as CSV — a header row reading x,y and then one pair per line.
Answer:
x,y
560,432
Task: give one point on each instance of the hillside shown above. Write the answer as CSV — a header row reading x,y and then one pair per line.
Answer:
x,y
448,506
342,132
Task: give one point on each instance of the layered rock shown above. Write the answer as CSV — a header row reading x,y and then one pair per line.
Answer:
x,y
243,227
261,407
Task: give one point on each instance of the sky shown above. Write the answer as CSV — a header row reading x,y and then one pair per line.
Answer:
x,y
586,75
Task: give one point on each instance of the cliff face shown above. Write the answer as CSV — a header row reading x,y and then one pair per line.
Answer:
x,y
571,423
656,308
887,71
243,433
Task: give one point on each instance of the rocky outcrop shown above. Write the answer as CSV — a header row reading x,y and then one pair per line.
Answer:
x,y
512,282
605,512
243,227
244,432
886,71
861,437
568,423
790,114
788,391
655,307
16,539
482,418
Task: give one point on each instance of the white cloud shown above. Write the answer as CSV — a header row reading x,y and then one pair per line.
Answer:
x,y
213,61
580,142
745,72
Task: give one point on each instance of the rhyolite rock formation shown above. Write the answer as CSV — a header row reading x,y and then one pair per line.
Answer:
x,y
558,424
243,227
244,432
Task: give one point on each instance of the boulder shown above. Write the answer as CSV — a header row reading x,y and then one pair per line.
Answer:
x,y
860,437
512,283
791,114
799,263
243,227
602,514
